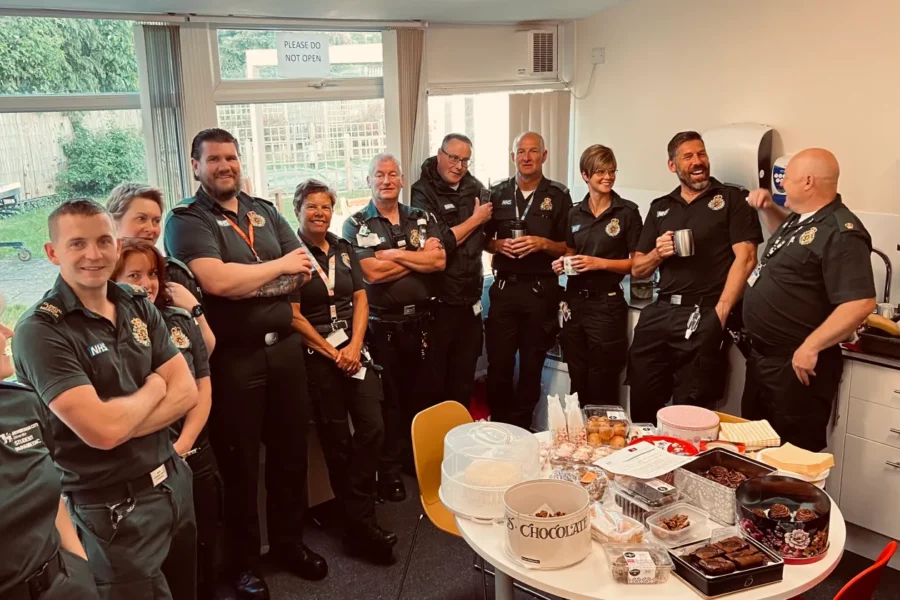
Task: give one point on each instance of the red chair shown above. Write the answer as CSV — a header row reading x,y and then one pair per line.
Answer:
x,y
862,587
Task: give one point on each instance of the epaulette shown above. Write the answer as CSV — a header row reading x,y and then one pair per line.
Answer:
x,y
14,385
846,220
502,185
174,310
135,291
184,204
660,199
560,186
630,204
180,265
50,309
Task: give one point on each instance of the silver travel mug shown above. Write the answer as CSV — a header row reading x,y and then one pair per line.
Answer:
x,y
517,228
684,242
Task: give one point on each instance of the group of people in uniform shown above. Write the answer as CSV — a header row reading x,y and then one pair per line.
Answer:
x,y
148,383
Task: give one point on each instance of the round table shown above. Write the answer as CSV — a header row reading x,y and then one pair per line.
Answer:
x,y
591,578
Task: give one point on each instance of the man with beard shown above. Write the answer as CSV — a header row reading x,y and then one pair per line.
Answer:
x,y
397,265
246,259
678,348
449,193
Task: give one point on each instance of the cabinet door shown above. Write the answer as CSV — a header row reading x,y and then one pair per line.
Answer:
x,y
876,384
871,486
874,422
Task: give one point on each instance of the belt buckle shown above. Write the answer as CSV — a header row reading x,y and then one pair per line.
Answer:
x,y
271,338
339,324
675,299
409,309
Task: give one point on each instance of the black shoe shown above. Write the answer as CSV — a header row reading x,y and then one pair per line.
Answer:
x,y
250,586
391,488
302,561
372,543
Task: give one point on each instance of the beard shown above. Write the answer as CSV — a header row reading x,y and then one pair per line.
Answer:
x,y
684,176
219,191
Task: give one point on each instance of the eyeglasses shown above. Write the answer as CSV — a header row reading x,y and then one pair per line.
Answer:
x,y
606,172
456,160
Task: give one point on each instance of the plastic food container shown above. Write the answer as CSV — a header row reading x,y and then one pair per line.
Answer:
x,y
637,506
606,425
591,478
697,529
547,542
638,564
481,461
691,423
612,527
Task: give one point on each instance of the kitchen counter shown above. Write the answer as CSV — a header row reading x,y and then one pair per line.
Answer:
x,y
875,359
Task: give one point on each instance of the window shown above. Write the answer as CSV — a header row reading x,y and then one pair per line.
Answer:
x,y
252,54
484,118
284,143
70,126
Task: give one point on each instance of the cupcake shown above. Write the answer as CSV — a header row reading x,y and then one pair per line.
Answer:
x,y
805,514
758,512
779,512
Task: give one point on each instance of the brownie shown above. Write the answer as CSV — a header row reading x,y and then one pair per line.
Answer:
x,y
732,544
748,561
675,523
706,552
747,552
717,566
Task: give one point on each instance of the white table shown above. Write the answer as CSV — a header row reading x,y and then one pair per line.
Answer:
x,y
591,578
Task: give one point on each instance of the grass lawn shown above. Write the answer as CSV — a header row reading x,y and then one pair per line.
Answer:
x,y
11,315
30,228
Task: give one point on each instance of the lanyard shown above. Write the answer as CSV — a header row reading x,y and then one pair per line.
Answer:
x,y
247,237
328,280
527,206
779,242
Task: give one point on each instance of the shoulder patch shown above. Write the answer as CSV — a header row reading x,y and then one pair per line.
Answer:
x,y
50,309
135,291
846,220
559,186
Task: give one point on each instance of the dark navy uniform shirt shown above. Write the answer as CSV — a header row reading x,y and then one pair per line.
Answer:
x,y
313,297
60,344
719,218
185,334
807,269
30,486
547,218
413,288
613,235
198,228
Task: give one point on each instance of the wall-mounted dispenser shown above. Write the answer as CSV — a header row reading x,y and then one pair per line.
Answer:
x,y
740,154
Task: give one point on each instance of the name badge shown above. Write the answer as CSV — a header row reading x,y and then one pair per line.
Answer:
x,y
675,299
361,374
367,241
157,476
753,276
477,308
337,337
449,207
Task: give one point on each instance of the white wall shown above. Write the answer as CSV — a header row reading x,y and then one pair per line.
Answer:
x,y
821,72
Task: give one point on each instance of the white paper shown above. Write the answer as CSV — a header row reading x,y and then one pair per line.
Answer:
x,y
361,374
337,337
642,461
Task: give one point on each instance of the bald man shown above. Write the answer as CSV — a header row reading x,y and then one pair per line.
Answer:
x,y
812,288
526,233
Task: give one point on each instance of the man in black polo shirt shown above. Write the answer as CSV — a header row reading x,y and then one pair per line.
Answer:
x,y
678,347
811,290
449,193
98,354
526,233
246,259
397,266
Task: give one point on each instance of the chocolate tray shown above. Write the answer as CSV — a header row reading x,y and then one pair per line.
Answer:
x,y
712,586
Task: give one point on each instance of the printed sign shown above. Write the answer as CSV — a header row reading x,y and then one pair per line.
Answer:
x,y
302,55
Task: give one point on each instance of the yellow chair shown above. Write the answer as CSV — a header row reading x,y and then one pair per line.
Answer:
x,y
429,428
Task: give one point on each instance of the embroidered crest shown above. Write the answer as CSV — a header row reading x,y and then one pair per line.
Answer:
x,y
346,258
51,309
414,238
808,236
547,204
612,229
140,332
848,225
137,289
256,220
576,228
717,203
178,337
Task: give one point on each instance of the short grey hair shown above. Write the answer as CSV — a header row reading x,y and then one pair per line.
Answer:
x,y
515,145
455,136
383,157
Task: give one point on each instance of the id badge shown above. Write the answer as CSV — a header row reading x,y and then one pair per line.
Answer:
x,y
361,374
157,476
477,308
753,276
337,337
367,241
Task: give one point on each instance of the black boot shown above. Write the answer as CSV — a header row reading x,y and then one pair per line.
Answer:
x,y
391,488
250,586
371,542
302,561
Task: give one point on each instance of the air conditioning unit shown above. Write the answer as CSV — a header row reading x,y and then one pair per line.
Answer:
x,y
540,54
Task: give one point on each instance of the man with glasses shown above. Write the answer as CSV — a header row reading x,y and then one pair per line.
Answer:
x,y
398,249
526,233
450,194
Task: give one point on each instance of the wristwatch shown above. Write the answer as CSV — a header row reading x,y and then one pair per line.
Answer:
x,y
197,311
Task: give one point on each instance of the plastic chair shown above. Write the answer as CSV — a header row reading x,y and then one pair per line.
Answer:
x,y
862,587
429,428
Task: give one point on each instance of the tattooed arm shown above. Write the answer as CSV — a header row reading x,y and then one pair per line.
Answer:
x,y
280,286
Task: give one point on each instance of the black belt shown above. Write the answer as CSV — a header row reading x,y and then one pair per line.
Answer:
x,y
524,277
120,491
39,582
596,292
687,300
332,327
401,313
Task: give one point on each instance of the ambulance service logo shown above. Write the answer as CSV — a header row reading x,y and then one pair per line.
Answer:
x,y
808,236
414,238
178,337
346,258
256,220
717,203
140,332
613,229
547,204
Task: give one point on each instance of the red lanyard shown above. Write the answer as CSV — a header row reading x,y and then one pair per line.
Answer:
x,y
328,280
249,238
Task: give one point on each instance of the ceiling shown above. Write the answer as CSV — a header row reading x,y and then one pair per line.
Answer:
x,y
440,11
